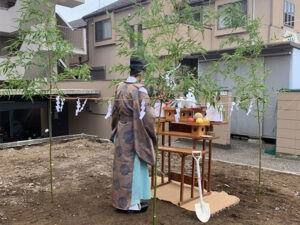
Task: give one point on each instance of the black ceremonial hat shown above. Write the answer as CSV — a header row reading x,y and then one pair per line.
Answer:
x,y
136,66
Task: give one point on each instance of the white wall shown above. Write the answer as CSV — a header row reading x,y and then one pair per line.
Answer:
x,y
295,70
279,67
241,124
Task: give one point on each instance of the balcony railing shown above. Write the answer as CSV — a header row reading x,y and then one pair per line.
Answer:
x,y
76,38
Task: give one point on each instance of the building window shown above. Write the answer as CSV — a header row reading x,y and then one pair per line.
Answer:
x,y
289,14
136,39
197,14
140,35
103,30
98,73
227,22
197,17
131,41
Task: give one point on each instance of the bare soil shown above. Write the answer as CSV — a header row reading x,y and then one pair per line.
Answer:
x,y
82,181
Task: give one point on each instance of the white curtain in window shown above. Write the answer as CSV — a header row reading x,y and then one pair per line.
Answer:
x,y
221,22
289,13
285,6
242,5
106,29
292,15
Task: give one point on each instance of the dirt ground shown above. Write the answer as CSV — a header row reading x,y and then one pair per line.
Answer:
x,y
82,181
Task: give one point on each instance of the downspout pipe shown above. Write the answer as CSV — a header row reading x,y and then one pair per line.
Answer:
x,y
253,9
253,12
271,21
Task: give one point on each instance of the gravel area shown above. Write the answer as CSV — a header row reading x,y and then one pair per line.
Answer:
x,y
245,152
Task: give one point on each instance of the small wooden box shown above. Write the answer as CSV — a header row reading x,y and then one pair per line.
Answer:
x,y
170,114
185,113
198,131
200,110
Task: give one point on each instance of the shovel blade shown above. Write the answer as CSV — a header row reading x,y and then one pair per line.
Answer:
x,y
202,211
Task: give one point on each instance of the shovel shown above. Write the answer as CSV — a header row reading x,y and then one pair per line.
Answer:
x,y
202,208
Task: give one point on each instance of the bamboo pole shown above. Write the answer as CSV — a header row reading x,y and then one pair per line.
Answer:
x,y
155,167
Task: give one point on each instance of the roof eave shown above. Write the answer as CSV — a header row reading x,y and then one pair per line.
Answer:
x,y
274,48
16,92
112,10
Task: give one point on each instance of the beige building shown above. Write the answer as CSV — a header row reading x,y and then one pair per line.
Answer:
x,y
278,19
94,36
20,119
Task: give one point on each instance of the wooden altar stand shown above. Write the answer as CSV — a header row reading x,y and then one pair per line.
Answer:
x,y
195,132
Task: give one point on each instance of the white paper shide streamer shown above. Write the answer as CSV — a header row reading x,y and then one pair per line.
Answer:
x,y
250,107
179,106
108,114
59,104
62,104
79,107
232,105
177,115
170,81
236,106
157,109
143,107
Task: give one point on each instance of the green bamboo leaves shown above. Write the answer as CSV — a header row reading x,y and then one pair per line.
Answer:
x,y
34,56
249,85
170,31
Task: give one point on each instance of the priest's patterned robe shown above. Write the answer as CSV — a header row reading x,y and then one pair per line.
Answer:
x,y
134,140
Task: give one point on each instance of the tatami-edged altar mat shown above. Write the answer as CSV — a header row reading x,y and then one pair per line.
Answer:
x,y
218,201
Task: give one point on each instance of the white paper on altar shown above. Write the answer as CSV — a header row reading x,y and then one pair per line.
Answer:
x,y
214,114
156,108
190,101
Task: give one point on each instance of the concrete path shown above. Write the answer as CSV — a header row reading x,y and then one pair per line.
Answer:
x,y
244,152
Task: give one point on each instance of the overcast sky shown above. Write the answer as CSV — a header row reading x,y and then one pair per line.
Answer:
x,y
71,14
